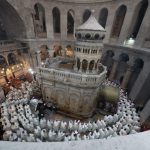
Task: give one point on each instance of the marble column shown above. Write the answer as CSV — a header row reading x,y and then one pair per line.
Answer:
x,y
113,71
109,24
94,68
49,23
80,70
75,65
126,78
63,20
38,55
88,69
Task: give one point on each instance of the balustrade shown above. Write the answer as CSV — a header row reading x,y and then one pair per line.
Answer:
x,y
59,75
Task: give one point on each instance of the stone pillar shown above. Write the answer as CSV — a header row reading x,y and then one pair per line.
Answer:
x,y
49,23
113,71
63,21
127,24
80,70
109,23
126,78
88,70
75,65
38,55
94,70
78,19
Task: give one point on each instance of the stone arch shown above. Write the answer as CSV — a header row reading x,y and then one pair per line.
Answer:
x,y
84,65
11,21
123,57
70,22
136,69
39,20
12,59
3,62
118,21
86,15
56,19
44,54
103,17
122,67
107,60
78,63
138,17
91,65
69,51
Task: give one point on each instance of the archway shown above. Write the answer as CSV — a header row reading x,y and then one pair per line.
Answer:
x,y
12,59
107,60
118,22
136,69
78,63
84,65
44,52
3,62
103,17
91,65
70,22
86,15
39,20
56,20
138,18
11,23
122,67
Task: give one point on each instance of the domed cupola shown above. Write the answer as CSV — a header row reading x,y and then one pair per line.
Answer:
x,y
90,30
89,46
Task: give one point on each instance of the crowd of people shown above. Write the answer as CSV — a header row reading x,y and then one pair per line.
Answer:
x,y
19,123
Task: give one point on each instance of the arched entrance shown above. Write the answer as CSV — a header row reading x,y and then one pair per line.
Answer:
x,y
103,17
11,22
86,15
12,59
84,65
70,22
118,22
39,20
138,18
56,20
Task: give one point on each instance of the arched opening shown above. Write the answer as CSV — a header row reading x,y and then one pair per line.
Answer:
x,y
78,63
12,59
44,53
136,69
39,21
84,65
11,25
103,17
107,60
3,62
91,65
3,34
118,22
122,67
56,20
86,15
138,18
70,22
69,51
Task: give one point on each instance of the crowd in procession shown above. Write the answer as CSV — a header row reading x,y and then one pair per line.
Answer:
x,y
19,123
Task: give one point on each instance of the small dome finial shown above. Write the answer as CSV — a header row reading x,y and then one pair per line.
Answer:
x,y
93,11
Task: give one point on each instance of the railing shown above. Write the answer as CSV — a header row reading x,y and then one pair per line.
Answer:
x,y
7,43
71,77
